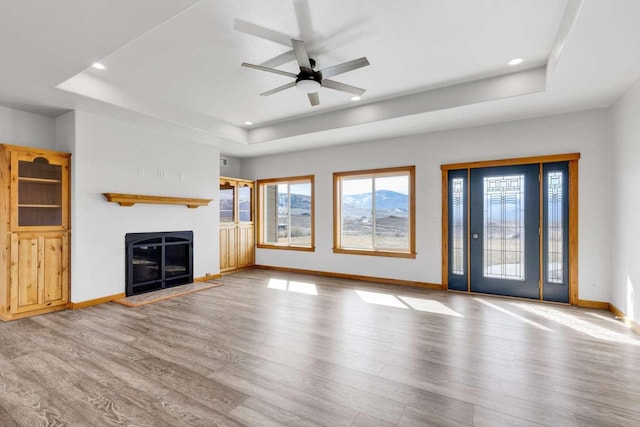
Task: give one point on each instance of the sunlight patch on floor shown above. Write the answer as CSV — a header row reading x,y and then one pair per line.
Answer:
x,y
418,304
577,324
514,315
429,305
379,298
607,318
293,286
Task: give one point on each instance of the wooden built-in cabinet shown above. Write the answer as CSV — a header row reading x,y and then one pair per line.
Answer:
x,y
34,231
237,231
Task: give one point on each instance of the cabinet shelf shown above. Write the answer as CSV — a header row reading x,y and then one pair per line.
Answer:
x,y
39,206
39,180
132,199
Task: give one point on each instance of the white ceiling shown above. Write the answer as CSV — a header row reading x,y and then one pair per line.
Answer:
x,y
175,65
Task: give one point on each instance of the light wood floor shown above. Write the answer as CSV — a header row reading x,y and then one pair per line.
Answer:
x,y
276,349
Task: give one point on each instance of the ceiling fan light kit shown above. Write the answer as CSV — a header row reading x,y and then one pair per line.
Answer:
x,y
310,81
307,86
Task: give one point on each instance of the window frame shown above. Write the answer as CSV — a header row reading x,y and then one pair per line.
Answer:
x,y
260,186
410,171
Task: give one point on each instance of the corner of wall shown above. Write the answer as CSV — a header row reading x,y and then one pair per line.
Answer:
x,y
232,169
26,129
66,132
624,172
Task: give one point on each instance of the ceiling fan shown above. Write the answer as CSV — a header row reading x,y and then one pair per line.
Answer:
x,y
309,80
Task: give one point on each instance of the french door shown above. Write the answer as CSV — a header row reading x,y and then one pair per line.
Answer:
x,y
507,230
504,221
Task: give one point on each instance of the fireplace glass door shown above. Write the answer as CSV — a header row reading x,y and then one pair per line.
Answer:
x,y
158,260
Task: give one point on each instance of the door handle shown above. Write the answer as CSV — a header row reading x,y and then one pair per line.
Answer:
x,y
475,235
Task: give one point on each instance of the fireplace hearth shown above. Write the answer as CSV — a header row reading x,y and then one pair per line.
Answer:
x,y
157,261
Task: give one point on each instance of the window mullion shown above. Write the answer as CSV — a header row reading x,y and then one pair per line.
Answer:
x,y
373,213
289,214
340,214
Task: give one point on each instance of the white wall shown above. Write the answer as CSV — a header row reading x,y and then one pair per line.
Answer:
x,y
625,203
107,156
584,132
27,129
232,170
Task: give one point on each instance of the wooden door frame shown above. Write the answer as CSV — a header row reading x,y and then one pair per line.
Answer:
x,y
570,158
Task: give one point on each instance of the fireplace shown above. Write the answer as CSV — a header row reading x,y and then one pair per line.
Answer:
x,y
158,260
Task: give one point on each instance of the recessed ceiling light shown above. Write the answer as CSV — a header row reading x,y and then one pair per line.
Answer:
x,y
355,98
248,123
99,66
516,61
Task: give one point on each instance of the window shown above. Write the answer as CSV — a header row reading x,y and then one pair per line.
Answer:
x,y
285,209
374,212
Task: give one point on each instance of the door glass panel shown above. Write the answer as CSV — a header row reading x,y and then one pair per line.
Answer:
x,y
226,203
555,227
457,226
503,224
244,204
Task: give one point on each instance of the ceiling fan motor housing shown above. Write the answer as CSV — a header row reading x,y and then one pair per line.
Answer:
x,y
306,74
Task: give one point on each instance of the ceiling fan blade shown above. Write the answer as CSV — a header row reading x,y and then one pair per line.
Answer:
x,y
270,70
303,16
278,89
334,70
332,84
262,32
283,58
301,53
314,99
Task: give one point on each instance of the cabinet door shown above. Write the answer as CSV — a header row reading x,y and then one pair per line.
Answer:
x,y
228,254
39,271
39,192
55,269
24,272
245,246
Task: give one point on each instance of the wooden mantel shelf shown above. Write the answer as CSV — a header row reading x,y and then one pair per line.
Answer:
x,y
132,199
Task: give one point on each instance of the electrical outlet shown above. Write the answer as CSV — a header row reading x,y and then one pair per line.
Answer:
x,y
165,175
140,172
181,177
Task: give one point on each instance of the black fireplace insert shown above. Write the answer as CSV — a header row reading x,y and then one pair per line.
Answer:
x,y
158,260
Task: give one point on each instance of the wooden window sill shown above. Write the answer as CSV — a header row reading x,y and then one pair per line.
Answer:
x,y
371,252
287,248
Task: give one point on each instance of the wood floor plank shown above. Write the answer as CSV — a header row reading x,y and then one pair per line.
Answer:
x,y
28,403
414,417
363,420
384,408
483,417
255,412
169,404
353,354
436,402
304,405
